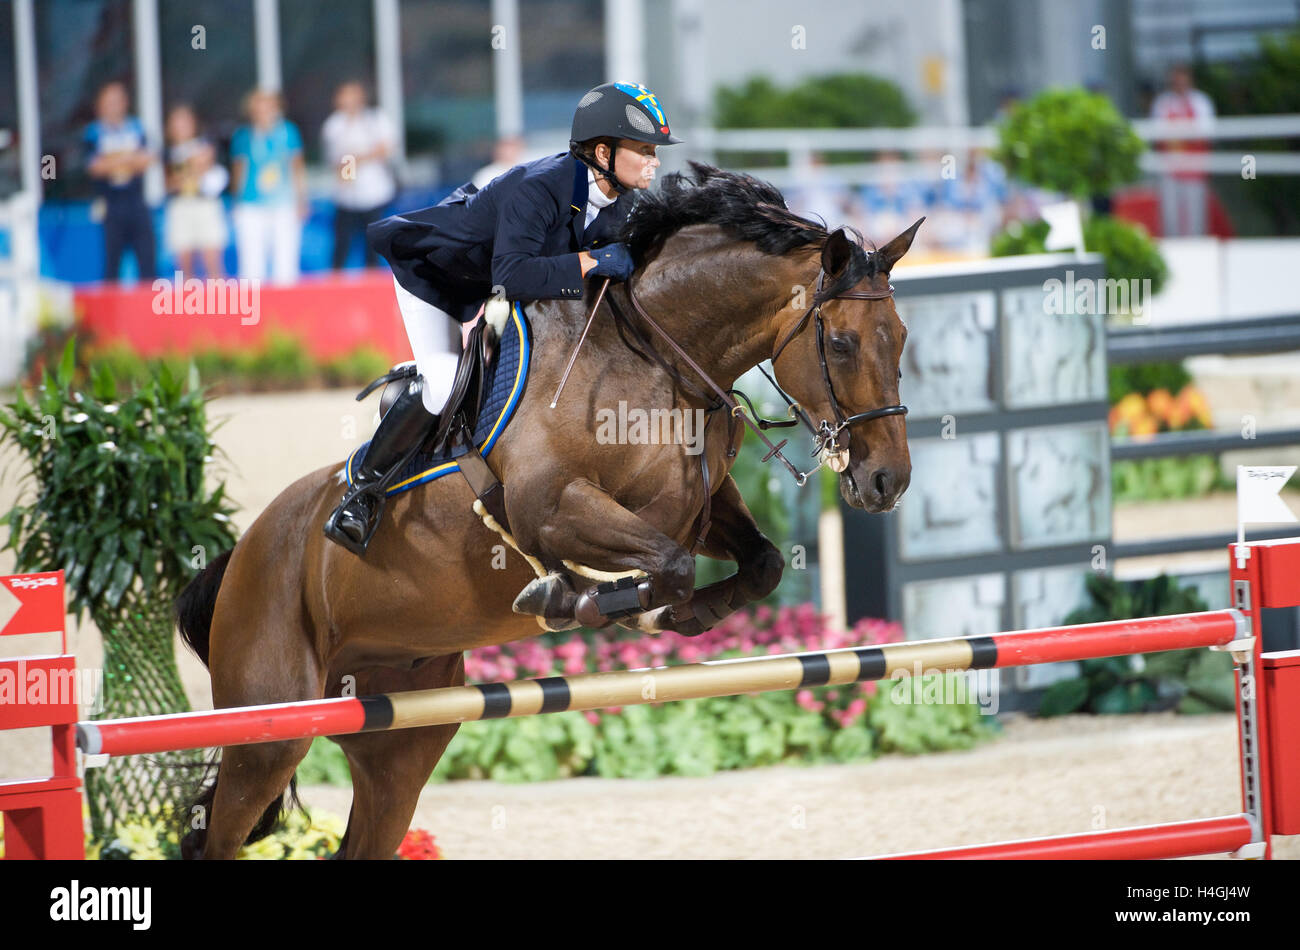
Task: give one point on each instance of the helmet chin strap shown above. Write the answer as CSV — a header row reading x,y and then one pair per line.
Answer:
x,y
617,185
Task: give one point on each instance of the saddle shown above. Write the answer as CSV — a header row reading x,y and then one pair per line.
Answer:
x,y
465,402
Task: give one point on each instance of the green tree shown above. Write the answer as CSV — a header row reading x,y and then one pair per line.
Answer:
x,y
840,101
1069,140
1076,142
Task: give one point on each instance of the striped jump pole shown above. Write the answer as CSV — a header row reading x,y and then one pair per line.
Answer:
x,y
406,710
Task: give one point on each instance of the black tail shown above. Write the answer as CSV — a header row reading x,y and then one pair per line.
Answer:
x,y
195,605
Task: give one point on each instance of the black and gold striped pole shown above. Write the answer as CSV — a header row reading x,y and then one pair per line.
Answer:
x,y
325,717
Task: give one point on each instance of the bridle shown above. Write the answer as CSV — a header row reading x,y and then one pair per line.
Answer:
x,y
825,435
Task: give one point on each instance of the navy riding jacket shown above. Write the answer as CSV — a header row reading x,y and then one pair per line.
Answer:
x,y
523,230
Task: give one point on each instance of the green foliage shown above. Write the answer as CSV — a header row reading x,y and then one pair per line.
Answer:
x,y
120,501
156,836
1159,479
841,101
1126,378
693,737
908,721
1189,680
1069,140
279,361
358,366
1268,84
1129,251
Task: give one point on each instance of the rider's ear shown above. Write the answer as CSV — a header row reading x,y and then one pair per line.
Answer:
x,y
837,252
890,254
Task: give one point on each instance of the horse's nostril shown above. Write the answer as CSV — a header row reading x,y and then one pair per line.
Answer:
x,y
882,483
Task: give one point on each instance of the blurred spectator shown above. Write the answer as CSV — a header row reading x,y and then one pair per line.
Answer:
x,y
358,141
823,194
118,158
1183,194
972,204
506,154
270,191
894,199
194,221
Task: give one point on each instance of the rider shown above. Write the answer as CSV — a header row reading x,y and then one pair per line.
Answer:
x,y
522,235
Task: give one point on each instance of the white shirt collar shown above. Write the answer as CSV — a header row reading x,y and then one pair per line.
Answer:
x,y
595,196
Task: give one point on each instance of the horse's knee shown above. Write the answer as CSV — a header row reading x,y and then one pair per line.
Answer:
x,y
675,581
766,570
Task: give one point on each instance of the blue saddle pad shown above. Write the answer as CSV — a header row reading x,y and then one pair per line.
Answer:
x,y
503,389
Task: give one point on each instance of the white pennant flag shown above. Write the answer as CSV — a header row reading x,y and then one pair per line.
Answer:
x,y
1258,488
1258,501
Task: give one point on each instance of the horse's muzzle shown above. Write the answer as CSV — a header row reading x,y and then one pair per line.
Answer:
x,y
874,489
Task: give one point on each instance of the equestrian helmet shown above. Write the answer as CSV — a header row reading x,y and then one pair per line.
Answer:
x,y
624,110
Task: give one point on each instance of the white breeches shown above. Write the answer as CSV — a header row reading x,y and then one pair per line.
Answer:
x,y
426,329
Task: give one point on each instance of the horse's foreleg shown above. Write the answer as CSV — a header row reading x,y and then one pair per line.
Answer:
x,y
600,540
733,536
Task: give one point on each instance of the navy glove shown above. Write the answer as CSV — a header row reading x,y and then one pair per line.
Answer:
x,y
612,261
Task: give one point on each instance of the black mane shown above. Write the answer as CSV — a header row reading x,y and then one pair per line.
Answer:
x,y
743,206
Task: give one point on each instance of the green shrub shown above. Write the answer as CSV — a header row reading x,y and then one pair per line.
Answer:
x,y
1069,140
281,360
120,502
1125,378
1192,681
1267,84
840,101
360,365
1129,252
1162,479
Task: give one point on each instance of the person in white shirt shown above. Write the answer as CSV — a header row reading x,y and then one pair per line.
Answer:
x,y
358,141
1184,193
194,220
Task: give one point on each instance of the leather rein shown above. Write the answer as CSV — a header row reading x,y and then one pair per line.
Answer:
x,y
825,435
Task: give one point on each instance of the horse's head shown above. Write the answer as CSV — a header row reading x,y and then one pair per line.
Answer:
x,y
838,355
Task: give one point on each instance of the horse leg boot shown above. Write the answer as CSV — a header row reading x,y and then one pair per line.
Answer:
x,y
594,535
399,436
733,536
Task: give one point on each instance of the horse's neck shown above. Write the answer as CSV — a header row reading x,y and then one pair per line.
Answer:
x,y
725,333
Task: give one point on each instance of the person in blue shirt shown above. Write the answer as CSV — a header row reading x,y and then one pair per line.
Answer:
x,y
538,231
118,156
269,187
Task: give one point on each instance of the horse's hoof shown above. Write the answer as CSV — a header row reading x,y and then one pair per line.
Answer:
x,y
651,621
557,624
550,597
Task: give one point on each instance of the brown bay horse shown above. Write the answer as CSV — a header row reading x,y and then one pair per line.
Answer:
x,y
729,273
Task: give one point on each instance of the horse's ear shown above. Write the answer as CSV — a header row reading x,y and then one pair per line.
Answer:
x,y
891,253
837,252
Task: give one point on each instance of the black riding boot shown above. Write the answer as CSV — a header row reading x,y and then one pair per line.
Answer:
x,y
399,436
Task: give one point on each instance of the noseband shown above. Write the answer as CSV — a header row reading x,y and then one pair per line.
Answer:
x,y
826,436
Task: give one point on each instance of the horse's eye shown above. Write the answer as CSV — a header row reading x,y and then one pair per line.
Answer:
x,y
840,345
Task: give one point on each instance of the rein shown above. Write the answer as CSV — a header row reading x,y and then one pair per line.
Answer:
x,y
825,435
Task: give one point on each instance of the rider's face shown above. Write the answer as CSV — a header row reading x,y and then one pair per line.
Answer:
x,y
635,163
